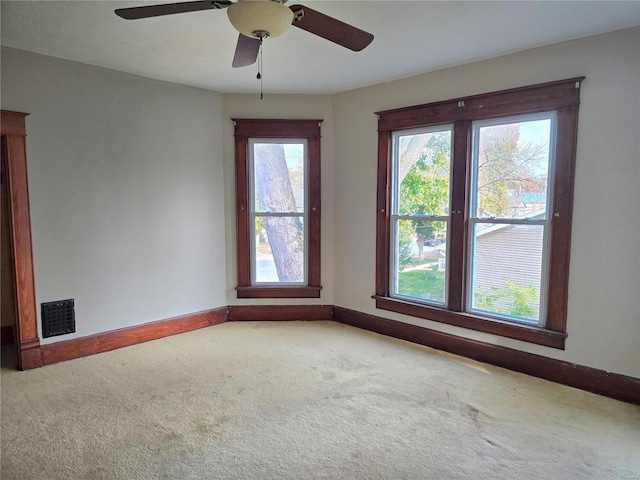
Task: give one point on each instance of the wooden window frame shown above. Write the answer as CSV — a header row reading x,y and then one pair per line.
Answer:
x,y
246,129
14,134
563,97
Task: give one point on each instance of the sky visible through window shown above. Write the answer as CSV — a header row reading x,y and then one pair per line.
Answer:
x,y
535,133
293,153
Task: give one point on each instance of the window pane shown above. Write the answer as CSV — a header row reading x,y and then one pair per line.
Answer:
x,y
506,270
278,177
420,266
512,169
279,250
423,173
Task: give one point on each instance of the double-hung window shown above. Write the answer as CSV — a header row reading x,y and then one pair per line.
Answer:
x,y
474,210
278,208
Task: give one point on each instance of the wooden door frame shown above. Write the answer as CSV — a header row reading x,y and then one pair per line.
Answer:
x,y
13,127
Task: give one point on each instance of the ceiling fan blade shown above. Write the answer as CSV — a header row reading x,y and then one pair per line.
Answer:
x,y
246,51
327,27
147,11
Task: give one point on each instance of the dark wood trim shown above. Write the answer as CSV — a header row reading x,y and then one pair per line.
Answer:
x,y
13,129
620,387
7,335
315,210
562,217
243,242
13,123
277,128
103,342
279,312
525,333
246,129
278,292
521,100
593,380
460,164
383,206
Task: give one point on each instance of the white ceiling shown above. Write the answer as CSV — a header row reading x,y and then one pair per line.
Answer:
x,y
411,37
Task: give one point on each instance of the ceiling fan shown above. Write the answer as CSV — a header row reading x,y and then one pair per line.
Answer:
x,y
259,19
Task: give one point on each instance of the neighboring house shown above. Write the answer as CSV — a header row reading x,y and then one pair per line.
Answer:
x,y
501,247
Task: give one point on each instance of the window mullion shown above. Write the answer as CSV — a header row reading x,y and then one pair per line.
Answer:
x,y
459,212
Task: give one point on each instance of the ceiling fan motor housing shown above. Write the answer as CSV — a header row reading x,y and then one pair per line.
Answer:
x,y
252,16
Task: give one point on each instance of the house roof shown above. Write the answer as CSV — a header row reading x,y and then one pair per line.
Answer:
x,y
411,37
538,214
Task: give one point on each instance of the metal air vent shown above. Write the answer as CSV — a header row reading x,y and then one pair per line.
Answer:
x,y
58,318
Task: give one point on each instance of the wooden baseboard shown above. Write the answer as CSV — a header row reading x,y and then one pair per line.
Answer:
x,y
29,354
280,312
7,335
620,387
103,342
613,385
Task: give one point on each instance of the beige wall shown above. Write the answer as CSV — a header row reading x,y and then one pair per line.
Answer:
x,y
604,290
282,107
126,191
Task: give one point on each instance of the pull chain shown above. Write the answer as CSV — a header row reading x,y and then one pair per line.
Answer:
x,y
259,76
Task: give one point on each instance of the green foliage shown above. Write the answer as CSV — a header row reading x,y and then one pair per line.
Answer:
x,y
524,301
485,300
405,240
259,225
504,167
427,284
512,300
424,190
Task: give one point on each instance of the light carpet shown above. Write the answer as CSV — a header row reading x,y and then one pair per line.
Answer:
x,y
304,400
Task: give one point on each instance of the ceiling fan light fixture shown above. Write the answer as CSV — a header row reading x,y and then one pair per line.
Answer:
x,y
252,16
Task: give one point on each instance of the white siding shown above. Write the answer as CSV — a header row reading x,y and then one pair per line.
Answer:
x,y
512,253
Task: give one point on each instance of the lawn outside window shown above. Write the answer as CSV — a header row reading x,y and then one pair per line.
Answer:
x,y
475,198
278,208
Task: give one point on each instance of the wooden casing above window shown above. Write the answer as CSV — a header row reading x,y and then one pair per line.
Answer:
x,y
563,97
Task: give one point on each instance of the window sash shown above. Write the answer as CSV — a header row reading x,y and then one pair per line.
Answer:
x,y
253,214
544,270
395,254
506,120
473,220
395,217
395,138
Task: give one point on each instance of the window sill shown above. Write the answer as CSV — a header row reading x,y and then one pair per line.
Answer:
x,y
278,292
525,333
